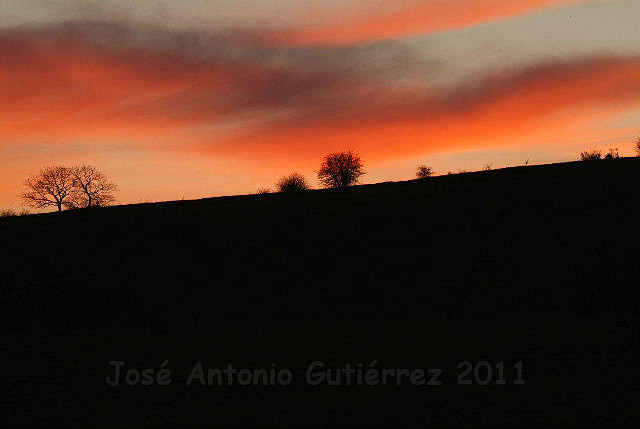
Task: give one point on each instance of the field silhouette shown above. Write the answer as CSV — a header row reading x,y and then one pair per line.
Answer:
x,y
537,264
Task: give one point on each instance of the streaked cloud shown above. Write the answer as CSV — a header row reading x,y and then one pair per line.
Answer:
x,y
111,81
404,18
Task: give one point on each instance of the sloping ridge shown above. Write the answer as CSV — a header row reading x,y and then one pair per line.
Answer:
x,y
554,238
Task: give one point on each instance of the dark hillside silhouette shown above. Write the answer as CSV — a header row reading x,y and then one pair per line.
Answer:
x,y
533,264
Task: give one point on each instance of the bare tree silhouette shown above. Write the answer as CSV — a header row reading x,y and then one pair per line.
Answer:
x,y
638,146
424,172
91,187
294,182
340,169
52,187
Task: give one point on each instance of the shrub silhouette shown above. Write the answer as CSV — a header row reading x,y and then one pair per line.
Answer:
x,y
424,172
340,169
638,147
13,213
612,154
262,191
591,155
294,182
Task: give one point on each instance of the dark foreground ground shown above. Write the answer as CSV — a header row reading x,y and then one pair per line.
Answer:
x,y
536,267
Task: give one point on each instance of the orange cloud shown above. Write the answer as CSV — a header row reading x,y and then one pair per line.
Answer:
x,y
506,108
410,18
64,84
71,85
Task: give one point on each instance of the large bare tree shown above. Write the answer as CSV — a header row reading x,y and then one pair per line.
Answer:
x,y
91,187
52,187
340,169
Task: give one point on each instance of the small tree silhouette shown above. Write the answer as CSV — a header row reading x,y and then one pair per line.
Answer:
x,y
638,147
294,182
424,172
340,169
52,187
591,155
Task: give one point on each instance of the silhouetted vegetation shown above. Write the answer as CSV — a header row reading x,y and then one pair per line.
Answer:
x,y
637,147
262,191
424,172
12,213
294,182
612,154
460,171
91,188
340,169
590,155
52,187
65,187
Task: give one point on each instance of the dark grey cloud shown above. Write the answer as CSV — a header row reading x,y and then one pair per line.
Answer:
x,y
247,74
206,77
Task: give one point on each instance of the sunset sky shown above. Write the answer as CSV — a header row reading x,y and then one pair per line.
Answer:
x,y
197,98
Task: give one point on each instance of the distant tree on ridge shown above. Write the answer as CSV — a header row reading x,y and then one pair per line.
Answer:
x,y
51,187
91,188
591,155
294,182
424,172
340,169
